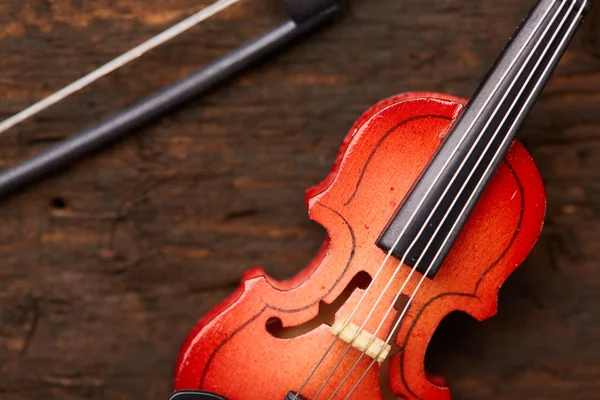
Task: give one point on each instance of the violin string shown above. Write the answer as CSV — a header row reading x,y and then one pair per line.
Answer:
x,y
388,255
530,97
402,233
450,208
117,63
517,98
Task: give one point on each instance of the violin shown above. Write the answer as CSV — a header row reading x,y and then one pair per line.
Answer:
x,y
430,206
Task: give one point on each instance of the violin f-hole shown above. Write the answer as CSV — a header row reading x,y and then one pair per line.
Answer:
x,y
326,314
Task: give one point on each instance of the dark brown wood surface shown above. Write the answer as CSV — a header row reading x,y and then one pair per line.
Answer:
x,y
105,268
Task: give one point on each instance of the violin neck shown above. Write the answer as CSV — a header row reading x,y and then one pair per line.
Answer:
x,y
516,80
430,219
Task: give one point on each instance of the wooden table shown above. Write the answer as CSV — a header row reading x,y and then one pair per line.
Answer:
x,y
105,268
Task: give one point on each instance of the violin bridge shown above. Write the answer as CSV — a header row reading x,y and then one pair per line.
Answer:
x,y
378,349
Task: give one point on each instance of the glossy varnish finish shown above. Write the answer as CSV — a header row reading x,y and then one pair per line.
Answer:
x,y
232,353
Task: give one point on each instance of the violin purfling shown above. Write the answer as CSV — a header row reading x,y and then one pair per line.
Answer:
x,y
430,206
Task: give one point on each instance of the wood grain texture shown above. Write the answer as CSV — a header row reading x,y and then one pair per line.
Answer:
x,y
107,267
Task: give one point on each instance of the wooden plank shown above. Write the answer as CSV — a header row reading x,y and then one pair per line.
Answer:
x,y
106,267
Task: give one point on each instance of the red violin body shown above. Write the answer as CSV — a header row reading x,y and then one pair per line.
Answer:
x,y
265,340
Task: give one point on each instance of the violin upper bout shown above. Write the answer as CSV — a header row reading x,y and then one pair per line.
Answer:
x,y
365,117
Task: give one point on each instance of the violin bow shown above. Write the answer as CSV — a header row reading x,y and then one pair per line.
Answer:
x,y
305,16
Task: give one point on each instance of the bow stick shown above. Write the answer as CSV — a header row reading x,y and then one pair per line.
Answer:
x,y
305,15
